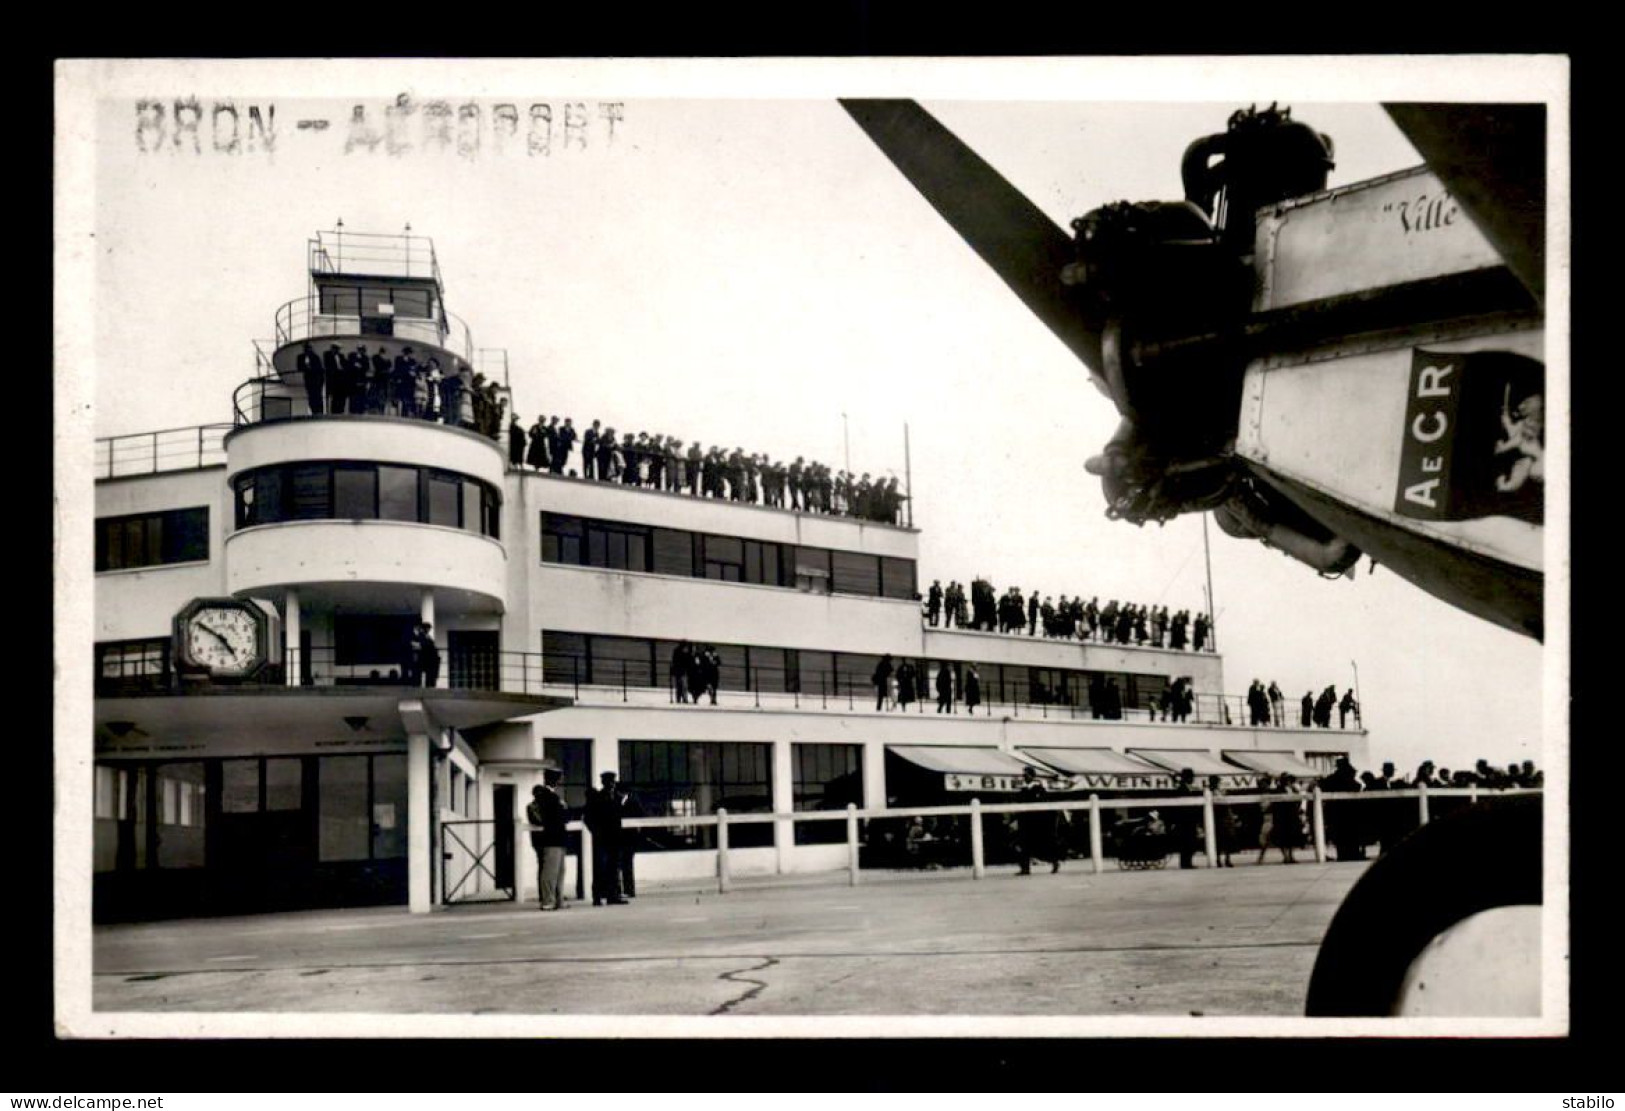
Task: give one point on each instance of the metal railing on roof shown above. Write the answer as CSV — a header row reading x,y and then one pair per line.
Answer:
x,y
401,255
170,449
302,319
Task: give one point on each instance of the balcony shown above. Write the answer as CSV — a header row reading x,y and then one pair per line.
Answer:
x,y
171,449
378,553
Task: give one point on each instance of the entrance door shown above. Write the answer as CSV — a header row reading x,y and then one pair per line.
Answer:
x,y
502,805
263,843
473,660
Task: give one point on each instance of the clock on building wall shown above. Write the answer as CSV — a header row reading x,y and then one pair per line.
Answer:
x,y
226,637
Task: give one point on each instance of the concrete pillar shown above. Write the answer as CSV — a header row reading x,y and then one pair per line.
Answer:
x,y
784,831
606,757
977,868
724,875
852,843
419,834
1210,833
1317,816
874,776
290,637
1096,853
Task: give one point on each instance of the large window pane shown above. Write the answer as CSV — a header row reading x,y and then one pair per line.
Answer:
x,y
284,782
340,301
856,573
444,494
355,493
613,657
695,778
388,807
343,821
673,552
564,657
240,786
398,493
268,497
897,577
180,815
825,777
310,492
473,513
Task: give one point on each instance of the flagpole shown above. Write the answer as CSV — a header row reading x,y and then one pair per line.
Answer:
x,y
1207,557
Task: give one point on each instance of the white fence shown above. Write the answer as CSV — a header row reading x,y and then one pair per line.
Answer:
x,y
1314,800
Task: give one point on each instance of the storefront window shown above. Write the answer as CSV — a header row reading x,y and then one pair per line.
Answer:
x,y
683,778
343,825
825,777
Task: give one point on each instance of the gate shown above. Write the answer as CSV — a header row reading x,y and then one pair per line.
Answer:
x,y
470,871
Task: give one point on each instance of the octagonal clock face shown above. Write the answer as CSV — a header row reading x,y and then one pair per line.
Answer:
x,y
222,637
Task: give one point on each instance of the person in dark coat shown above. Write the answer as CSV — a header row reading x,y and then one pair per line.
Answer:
x,y
1035,830
1308,709
973,690
906,681
315,376
603,819
680,659
1186,820
882,680
425,654
945,689
566,444
1226,824
710,671
1344,817
516,442
1032,614
589,452
933,602
536,454
548,837
337,382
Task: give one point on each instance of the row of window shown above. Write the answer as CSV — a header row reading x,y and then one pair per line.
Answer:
x,y
620,546
366,492
152,539
370,300
647,662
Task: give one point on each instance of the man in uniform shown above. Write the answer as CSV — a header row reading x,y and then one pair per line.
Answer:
x,y
548,837
603,819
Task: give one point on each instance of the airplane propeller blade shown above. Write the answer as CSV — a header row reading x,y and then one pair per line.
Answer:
x,y
1022,245
1492,158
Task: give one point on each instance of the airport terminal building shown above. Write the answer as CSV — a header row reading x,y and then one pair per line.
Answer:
x,y
260,742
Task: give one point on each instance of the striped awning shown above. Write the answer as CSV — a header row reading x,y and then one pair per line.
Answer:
x,y
974,769
1103,767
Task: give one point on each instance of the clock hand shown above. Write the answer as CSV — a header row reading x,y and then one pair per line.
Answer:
x,y
212,631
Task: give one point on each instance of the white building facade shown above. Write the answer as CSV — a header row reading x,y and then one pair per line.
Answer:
x,y
330,777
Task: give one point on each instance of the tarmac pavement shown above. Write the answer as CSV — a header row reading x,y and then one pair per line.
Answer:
x,y
1238,941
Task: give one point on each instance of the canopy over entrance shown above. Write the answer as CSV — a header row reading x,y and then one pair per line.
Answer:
x,y
1275,763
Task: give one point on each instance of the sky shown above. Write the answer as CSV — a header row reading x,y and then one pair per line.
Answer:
x,y
746,270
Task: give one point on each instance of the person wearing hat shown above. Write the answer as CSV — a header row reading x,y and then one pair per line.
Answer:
x,y
1035,830
603,818
548,837
1187,820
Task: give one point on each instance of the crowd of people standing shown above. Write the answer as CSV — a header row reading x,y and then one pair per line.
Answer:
x,y
360,382
662,462
1067,619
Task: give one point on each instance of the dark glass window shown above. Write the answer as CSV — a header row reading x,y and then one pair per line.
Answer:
x,y
617,547
897,578
561,539
490,516
817,671
445,492
125,665
574,758
268,496
413,303
825,777
373,300
340,300
673,551
856,573
731,669
310,492
344,825
474,506
152,539
724,558
855,672
695,779
564,657
812,569
398,493
355,493
762,563
613,657
767,670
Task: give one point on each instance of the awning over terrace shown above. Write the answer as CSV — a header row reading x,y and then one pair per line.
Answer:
x,y
1200,761
1275,763
971,768
1103,768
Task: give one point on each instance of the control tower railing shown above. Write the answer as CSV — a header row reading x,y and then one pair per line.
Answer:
x,y
402,255
170,449
301,319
